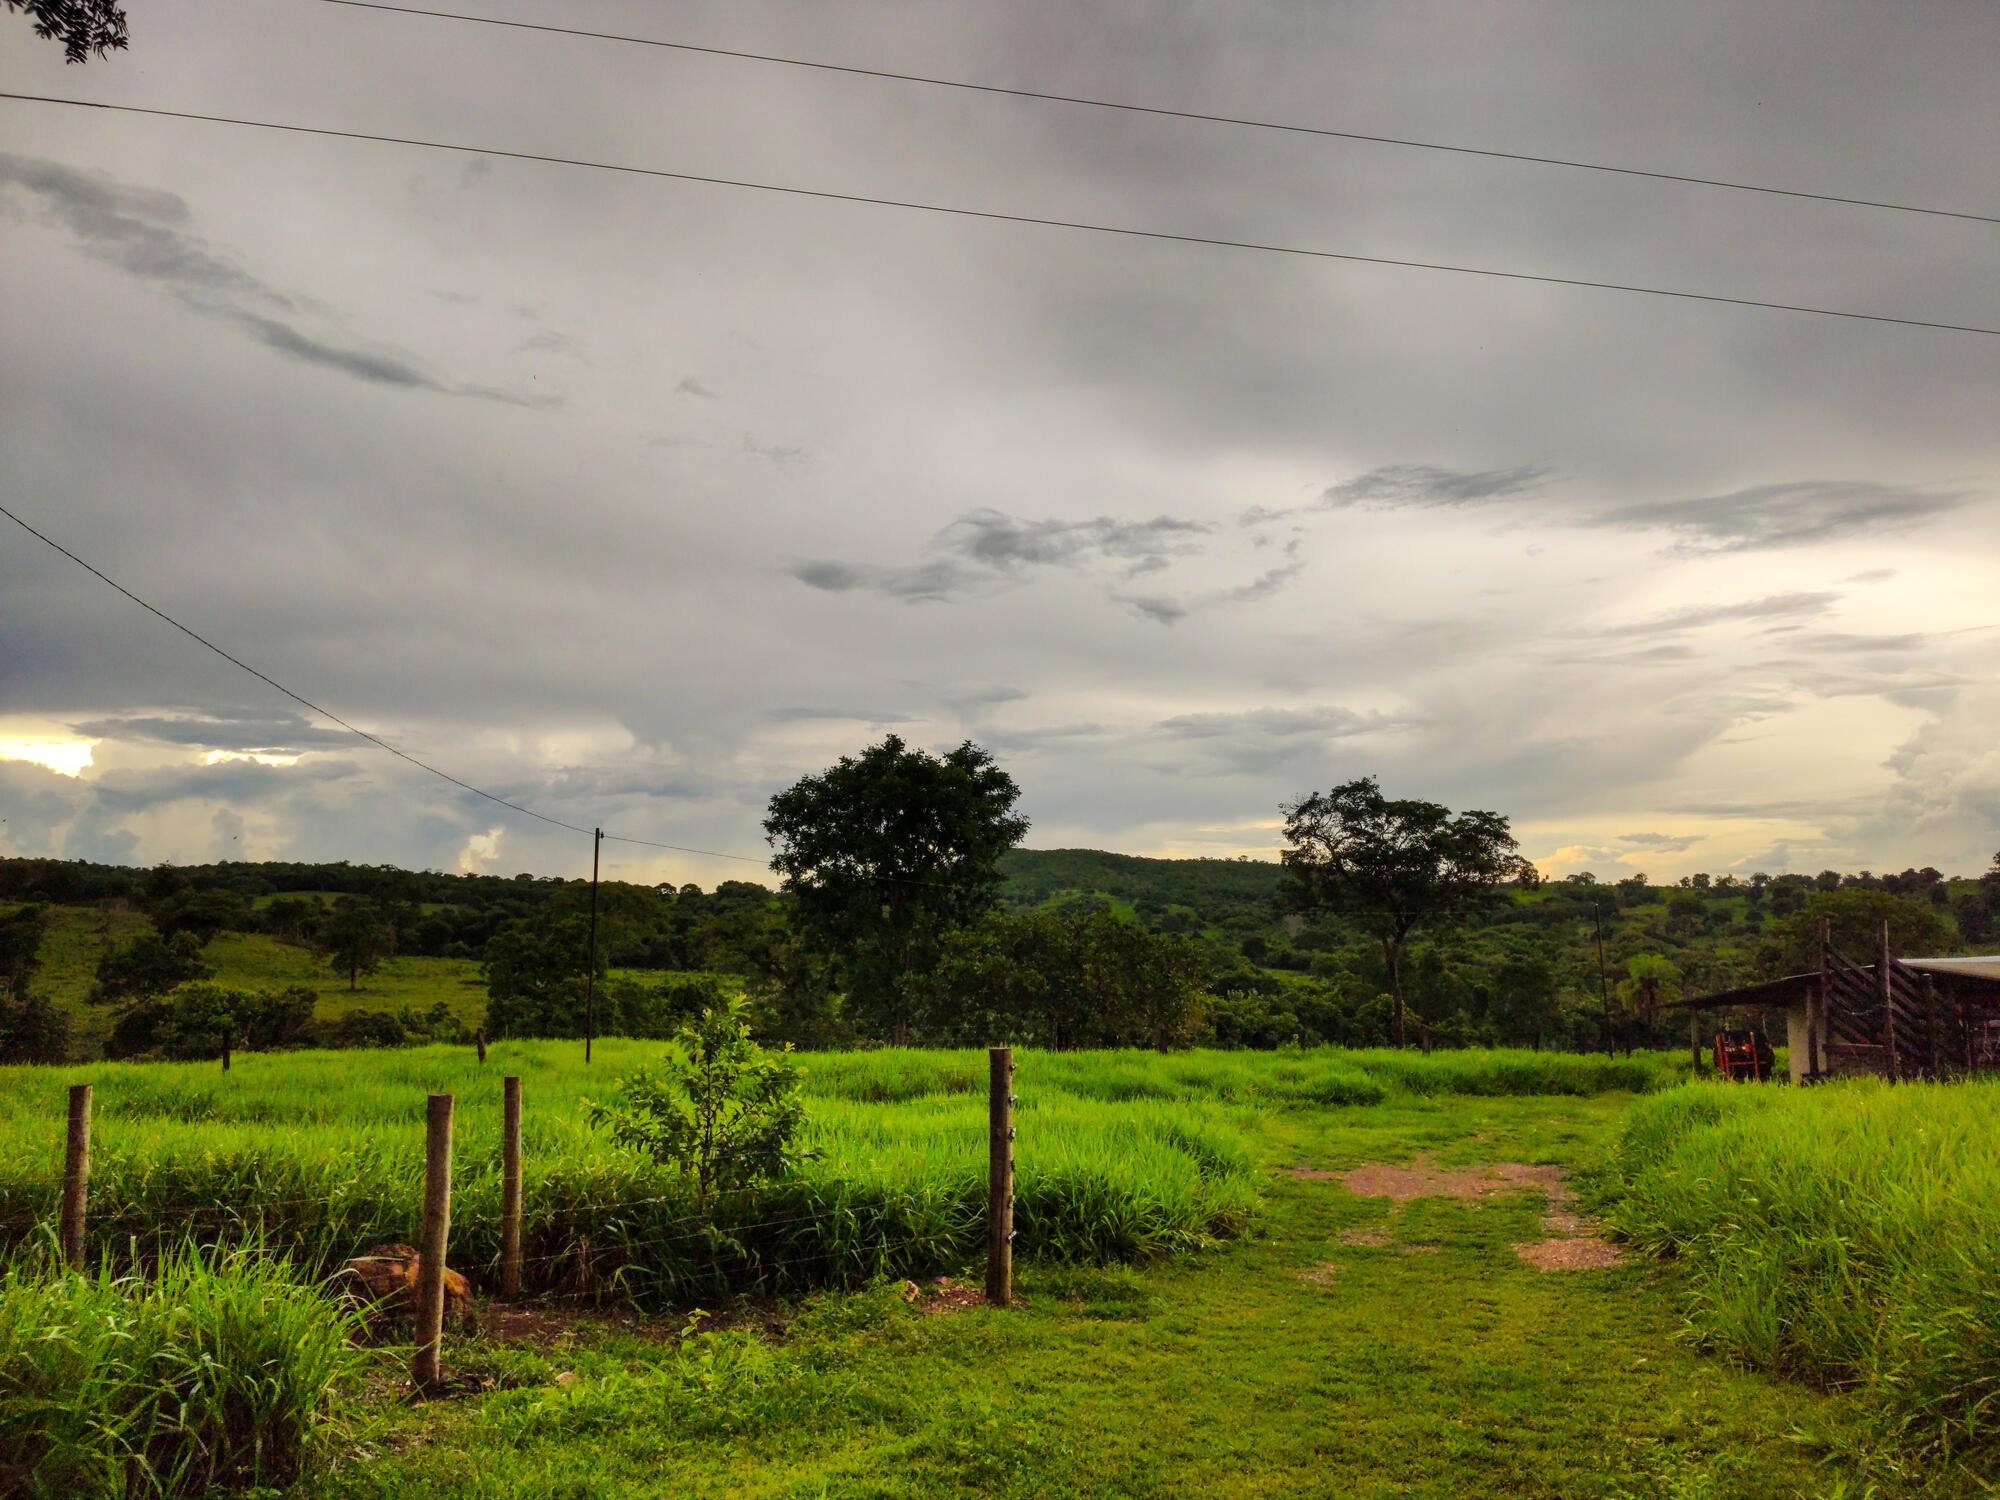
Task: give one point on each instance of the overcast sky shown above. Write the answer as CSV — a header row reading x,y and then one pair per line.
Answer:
x,y
634,500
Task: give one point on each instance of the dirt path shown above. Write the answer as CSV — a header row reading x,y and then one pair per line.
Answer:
x,y
1571,1242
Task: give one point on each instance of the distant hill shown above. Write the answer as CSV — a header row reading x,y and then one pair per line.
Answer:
x,y
1230,894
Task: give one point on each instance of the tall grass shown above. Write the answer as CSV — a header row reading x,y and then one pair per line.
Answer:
x,y
213,1372
1121,1156
1849,1234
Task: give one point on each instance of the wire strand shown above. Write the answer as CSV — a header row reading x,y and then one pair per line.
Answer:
x,y
263,677
996,216
1164,112
383,744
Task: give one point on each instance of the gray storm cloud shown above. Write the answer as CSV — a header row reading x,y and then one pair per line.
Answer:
x,y
148,234
1793,514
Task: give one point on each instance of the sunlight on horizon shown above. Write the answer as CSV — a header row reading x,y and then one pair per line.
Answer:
x,y
65,755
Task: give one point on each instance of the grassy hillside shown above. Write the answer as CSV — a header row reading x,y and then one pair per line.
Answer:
x,y
79,936
1221,899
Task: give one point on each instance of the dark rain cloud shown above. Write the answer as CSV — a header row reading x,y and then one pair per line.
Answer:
x,y
1794,514
272,733
1428,487
800,715
1484,473
1164,610
148,234
240,783
986,549
1326,722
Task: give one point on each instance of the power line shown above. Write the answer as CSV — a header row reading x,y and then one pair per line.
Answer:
x,y
383,744
748,859
1164,112
373,739
996,216
238,661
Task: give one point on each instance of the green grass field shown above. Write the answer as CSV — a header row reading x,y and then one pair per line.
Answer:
x,y
1123,1155
1206,1309
1304,1361
1846,1235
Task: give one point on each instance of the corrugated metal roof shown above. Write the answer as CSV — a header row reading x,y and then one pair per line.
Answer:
x,y
1790,990
1793,989
1984,967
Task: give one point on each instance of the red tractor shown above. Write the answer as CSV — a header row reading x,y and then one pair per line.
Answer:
x,y
1743,1056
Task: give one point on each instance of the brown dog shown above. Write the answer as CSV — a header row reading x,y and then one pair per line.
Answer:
x,y
385,1280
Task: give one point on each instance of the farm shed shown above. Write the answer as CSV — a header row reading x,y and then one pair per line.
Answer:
x,y
1893,1017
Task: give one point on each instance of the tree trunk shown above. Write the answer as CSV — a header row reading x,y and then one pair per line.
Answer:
x,y
353,978
1391,958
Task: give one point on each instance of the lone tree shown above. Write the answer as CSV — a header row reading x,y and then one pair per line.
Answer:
x,y
1390,866
536,971
149,966
885,854
356,938
82,26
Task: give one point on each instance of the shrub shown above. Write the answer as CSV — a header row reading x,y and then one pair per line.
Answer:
x,y
198,1020
726,1116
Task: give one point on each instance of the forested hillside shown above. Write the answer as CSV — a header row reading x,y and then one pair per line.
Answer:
x,y
358,955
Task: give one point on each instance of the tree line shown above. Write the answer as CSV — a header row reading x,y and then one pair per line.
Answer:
x,y
907,913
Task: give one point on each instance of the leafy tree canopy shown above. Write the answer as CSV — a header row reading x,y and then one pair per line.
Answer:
x,y
886,852
355,937
1854,918
203,913
1390,865
198,1020
32,1028
150,965
84,27
21,934
535,971
1062,982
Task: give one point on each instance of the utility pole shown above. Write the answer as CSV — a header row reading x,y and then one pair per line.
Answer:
x,y
590,974
1603,989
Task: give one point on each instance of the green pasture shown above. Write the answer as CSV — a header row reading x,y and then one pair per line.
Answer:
x,y
1848,1235
1806,1305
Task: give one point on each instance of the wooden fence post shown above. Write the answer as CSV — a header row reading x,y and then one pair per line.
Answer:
x,y
510,1187
426,1368
76,1176
1885,985
1816,1008
479,1041
1934,1023
1000,1176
